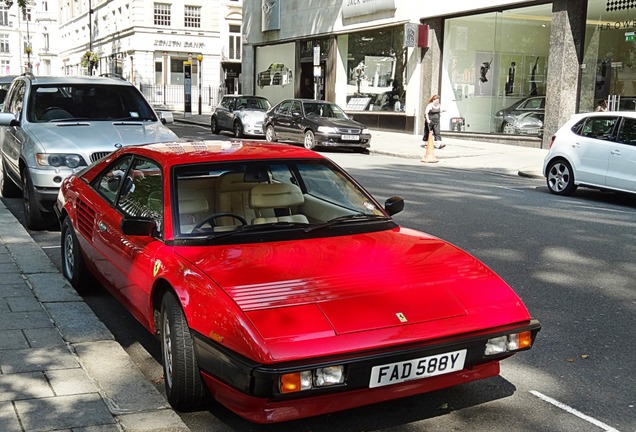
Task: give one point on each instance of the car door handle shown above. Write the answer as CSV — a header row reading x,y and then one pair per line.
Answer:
x,y
576,145
101,226
615,152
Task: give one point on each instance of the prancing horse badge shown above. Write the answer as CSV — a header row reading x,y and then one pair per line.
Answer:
x,y
401,317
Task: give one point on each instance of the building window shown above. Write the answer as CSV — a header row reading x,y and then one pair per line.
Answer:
x,y
45,36
5,67
376,70
4,16
162,14
4,43
192,16
234,43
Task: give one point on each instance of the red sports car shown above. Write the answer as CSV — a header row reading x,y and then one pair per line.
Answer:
x,y
277,284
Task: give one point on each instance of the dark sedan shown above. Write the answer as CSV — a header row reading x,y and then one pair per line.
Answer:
x,y
314,123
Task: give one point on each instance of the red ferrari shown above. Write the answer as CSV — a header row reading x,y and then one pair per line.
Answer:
x,y
277,285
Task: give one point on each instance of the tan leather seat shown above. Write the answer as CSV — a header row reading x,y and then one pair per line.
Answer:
x,y
193,208
282,199
233,195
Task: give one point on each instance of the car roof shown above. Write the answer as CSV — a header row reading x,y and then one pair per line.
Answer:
x,y
6,79
77,79
170,154
245,96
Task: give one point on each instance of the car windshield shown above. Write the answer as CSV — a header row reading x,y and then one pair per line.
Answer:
x,y
321,109
101,102
214,199
251,103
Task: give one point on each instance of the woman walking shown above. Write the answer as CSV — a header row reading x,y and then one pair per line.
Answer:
x,y
432,114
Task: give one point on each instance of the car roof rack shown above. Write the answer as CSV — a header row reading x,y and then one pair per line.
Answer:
x,y
28,74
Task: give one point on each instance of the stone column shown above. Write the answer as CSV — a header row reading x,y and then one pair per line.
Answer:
x,y
430,66
567,39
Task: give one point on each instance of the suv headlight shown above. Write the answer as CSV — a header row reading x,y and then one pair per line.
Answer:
x,y
60,159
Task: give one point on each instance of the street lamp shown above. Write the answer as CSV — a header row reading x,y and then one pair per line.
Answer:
x,y
200,59
28,47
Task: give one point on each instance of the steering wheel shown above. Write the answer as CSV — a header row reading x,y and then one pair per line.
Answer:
x,y
214,216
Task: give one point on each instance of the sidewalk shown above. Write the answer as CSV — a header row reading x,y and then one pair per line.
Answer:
x,y
60,367
458,153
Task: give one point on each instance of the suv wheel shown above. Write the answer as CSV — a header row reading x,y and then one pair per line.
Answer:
x,y
214,125
270,134
33,218
310,140
8,189
238,129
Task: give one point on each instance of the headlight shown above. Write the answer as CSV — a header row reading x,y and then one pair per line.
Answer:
x,y
312,379
499,114
366,131
327,129
508,343
59,159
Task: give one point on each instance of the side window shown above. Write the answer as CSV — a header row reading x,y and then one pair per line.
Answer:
x,y
295,107
284,108
598,128
141,193
627,132
226,102
108,183
16,100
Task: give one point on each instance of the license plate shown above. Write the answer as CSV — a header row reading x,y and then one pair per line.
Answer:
x,y
350,137
418,368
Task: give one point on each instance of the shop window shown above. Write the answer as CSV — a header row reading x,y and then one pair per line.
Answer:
x,y
494,69
608,71
375,70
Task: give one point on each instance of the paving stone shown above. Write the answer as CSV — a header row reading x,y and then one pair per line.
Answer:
x,y
13,279
155,421
103,428
24,320
37,359
13,339
44,337
24,386
4,306
67,382
23,304
8,418
60,412
31,259
77,322
52,288
8,267
19,289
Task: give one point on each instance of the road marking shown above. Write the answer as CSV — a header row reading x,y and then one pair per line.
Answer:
x,y
51,247
571,410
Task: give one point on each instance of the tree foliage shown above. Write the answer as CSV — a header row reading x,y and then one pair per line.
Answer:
x,y
22,4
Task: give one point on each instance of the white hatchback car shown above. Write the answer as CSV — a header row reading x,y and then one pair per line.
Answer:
x,y
596,150
52,127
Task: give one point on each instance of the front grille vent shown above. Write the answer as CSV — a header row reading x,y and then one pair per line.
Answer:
x,y
98,155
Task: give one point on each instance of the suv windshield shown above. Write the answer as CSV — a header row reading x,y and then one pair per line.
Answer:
x,y
63,102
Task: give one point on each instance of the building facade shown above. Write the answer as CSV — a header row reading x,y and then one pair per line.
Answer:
x,y
557,57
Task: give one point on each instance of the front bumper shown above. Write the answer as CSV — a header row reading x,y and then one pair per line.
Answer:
x,y
252,390
336,140
46,185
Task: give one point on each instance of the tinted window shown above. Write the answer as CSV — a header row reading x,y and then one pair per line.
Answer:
x,y
284,107
627,131
597,127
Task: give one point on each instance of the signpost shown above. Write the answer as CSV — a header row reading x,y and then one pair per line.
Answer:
x,y
187,88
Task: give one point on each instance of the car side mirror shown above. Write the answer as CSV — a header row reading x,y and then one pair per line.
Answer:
x,y
296,114
394,205
138,227
8,119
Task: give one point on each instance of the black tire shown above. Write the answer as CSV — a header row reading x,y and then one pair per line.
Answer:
x,y
8,188
73,267
238,129
507,128
184,387
560,178
310,140
214,125
270,133
33,216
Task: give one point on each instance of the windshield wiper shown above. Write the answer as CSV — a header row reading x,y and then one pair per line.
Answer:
x,y
358,217
251,228
70,120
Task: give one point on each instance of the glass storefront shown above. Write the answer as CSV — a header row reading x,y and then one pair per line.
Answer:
x,y
494,71
376,61
608,72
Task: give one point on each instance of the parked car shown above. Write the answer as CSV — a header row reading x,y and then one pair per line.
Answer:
x,y
314,123
54,126
243,115
275,74
529,123
276,284
505,117
595,150
5,83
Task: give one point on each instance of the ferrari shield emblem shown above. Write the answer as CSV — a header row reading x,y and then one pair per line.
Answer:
x,y
156,268
401,317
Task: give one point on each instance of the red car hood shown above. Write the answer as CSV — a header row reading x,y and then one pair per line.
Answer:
x,y
299,290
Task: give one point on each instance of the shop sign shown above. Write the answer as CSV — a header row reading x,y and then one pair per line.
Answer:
x,y
164,43
415,35
270,15
353,8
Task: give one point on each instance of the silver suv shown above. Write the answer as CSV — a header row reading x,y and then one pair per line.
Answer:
x,y
52,127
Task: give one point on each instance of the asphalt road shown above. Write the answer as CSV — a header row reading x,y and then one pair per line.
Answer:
x,y
570,260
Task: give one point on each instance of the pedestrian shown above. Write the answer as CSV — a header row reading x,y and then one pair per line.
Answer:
x,y
432,114
602,106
